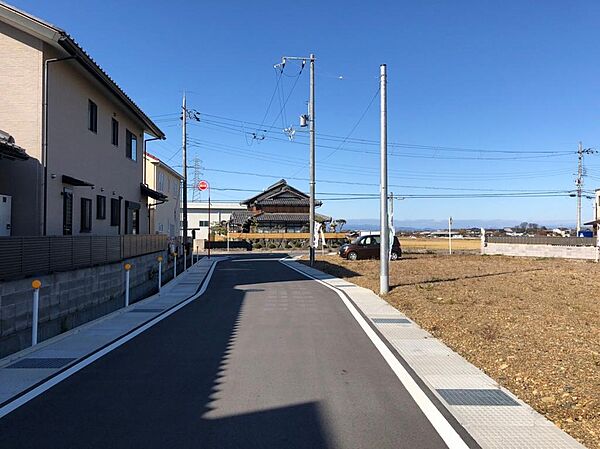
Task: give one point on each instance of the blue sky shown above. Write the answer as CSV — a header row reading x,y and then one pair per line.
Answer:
x,y
519,76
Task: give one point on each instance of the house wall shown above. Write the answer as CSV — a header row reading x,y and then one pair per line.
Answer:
x,y
199,213
75,151
165,218
21,116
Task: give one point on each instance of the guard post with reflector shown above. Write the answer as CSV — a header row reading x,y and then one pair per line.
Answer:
x,y
127,267
160,259
36,284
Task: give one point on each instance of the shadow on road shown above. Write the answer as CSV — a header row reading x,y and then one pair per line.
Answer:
x,y
155,391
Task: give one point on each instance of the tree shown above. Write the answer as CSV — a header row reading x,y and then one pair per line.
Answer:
x,y
340,222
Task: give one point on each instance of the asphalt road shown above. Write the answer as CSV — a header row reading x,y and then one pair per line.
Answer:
x,y
265,359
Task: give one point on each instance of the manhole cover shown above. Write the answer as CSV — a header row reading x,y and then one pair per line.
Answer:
x,y
391,321
459,396
47,363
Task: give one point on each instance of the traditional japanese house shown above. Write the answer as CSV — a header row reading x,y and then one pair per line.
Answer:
x,y
280,208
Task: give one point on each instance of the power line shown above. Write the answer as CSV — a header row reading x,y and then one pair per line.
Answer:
x,y
332,137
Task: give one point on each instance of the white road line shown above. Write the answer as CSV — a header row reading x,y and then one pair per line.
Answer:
x,y
452,439
91,359
265,259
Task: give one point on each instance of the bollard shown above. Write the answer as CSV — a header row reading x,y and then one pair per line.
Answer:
x,y
159,258
36,284
127,268
175,265
184,260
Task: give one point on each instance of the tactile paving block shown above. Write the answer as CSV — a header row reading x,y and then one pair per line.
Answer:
x,y
460,396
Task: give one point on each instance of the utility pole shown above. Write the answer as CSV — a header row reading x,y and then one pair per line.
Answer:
x,y
579,181
184,150
384,247
311,129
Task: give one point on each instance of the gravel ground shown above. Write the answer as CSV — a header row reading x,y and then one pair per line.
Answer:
x,y
531,324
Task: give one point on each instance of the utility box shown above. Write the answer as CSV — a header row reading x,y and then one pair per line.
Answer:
x,y
5,215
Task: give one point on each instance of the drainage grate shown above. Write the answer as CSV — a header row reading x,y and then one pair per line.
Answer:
x,y
146,310
391,321
45,363
461,396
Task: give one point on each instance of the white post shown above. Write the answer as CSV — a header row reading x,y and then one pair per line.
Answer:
x,y
227,236
450,235
175,266
384,256
159,273
36,284
482,241
127,268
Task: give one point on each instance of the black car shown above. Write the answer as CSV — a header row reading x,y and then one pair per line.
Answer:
x,y
367,247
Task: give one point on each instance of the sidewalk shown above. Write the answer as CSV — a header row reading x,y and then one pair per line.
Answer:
x,y
31,369
492,415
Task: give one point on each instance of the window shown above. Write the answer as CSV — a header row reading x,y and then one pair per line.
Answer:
x,y
202,223
86,215
67,211
115,132
115,212
92,116
131,146
161,181
100,207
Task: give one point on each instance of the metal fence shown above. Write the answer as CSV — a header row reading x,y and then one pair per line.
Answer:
x,y
28,256
557,241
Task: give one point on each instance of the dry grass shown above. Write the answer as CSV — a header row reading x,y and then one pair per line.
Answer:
x,y
531,324
441,244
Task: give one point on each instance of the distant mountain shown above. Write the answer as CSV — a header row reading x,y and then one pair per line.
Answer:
x,y
369,224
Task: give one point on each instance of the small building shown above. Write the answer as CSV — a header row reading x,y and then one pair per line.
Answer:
x,y
84,136
280,208
164,213
595,223
198,216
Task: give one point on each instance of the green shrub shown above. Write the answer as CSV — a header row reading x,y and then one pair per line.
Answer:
x,y
272,245
257,246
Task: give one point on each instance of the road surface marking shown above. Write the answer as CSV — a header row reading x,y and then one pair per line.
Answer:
x,y
435,417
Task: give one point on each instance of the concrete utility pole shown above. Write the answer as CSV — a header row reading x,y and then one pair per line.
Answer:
x,y
384,247
311,129
311,112
184,151
579,181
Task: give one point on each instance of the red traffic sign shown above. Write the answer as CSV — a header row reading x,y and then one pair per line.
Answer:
x,y
202,186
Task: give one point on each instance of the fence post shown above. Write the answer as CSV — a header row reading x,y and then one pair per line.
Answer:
x,y
159,258
127,268
36,284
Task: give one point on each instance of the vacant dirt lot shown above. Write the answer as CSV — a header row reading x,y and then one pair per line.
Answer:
x,y
531,324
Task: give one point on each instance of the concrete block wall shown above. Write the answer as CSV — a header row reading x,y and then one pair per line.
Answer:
x,y
564,252
71,298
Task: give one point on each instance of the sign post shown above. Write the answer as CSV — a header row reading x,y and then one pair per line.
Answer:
x,y
450,235
202,186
